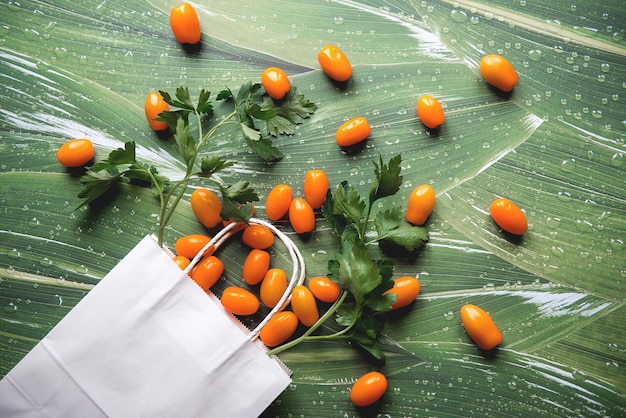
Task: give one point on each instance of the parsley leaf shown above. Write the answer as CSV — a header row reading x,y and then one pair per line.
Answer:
x,y
261,117
185,142
204,105
212,165
347,203
391,227
120,165
234,199
388,179
264,148
358,273
293,109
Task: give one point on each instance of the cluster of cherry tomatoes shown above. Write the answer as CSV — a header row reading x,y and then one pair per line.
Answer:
x,y
369,388
272,282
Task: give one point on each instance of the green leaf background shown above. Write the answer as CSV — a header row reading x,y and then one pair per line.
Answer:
x,y
555,146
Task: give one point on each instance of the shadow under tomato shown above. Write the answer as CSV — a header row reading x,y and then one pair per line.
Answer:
x,y
434,132
373,410
193,50
514,239
78,172
490,354
354,149
340,85
164,134
504,95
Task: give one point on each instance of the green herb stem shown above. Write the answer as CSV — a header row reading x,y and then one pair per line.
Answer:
x,y
165,214
313,328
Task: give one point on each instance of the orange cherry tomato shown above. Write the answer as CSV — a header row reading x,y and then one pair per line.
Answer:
x,y
407,288
352,132
255,266
278,201
499,72
239,301
181,261
480,327
301,216
304,305
185,24
420,205
75,152
430,112
315,187
508,216
368,389
275,82
153,106
335,63
279,328
324,289
273,287
207,207
189,245
258,236
208,271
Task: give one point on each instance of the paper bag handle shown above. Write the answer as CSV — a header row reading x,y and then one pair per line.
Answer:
x,y
297,276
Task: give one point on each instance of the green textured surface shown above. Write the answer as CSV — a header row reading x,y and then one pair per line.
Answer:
x,y
555,146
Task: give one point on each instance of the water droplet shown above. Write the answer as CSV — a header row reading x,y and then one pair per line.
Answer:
x,y
601,78
45,262
553,222
320,257
33,222
580,376
617,160
605,67
458,16
10,307
14,253
612,367
535,54
31,35
338,20
584,226
512,385
448,316
57,300
60,52
564,196
43,66
616,244
557,251
568,165
613,347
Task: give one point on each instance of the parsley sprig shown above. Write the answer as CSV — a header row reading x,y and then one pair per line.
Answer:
x,y
258,117
360,310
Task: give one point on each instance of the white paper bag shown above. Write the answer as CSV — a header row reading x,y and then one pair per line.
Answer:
x,y
148,342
